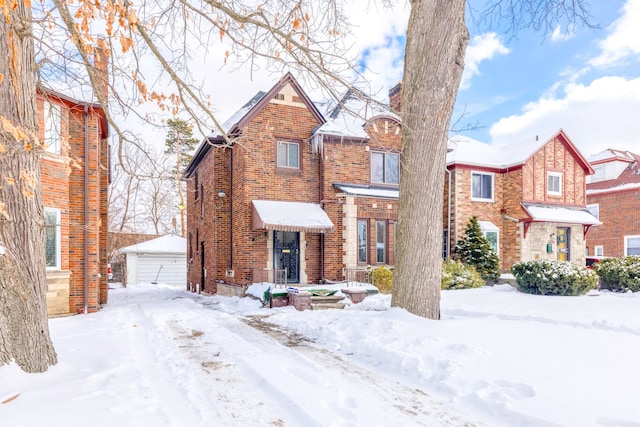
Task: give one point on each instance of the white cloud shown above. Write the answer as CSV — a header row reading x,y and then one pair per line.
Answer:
x,y
624,39
596,116
481,47
560,35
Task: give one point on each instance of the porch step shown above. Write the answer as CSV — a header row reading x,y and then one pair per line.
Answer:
x,y
326,306
323,303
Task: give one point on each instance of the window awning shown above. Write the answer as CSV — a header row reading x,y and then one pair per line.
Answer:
x,y
488,226
547,213
290,216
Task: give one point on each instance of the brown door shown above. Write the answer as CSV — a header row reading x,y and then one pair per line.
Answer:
x,y
562,241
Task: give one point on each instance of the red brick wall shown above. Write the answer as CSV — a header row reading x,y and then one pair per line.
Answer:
x,y
619,216
226,229
62,178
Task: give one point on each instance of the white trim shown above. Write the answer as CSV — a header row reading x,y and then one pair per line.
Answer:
x,y
58,237
626,243
560,176
493,181
598,250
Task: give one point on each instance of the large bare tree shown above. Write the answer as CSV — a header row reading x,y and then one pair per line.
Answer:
x,y
24,332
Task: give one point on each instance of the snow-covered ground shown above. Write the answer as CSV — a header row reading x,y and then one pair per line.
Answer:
x,y
157,356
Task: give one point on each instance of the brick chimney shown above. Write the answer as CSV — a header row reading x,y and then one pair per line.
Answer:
x,y
395,97
101,66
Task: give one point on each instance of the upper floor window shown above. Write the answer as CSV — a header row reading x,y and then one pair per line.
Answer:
x,y
594,209
288,155
52,237
482,186
52,134
554,183
631,245
385,168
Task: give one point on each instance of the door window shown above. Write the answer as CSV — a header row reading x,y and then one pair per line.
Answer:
x,y
562,241
286,254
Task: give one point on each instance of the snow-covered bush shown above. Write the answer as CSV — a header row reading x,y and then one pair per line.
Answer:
x,y
548,277
456,275
383,279
619,274
474,249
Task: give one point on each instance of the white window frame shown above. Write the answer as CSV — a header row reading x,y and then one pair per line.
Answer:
x,y
560,177
287,160
381,236
52,127
594,208
626,243
493,183
58,237
598,250
491,229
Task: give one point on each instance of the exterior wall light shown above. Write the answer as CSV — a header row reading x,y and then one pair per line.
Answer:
x,y
221,193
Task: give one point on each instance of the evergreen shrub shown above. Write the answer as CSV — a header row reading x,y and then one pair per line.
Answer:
x,y
474,249
549,277
456,275
619,274
383,279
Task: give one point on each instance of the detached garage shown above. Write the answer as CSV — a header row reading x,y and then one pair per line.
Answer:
x,y
162,260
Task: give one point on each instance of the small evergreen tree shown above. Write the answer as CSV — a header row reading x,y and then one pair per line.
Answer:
x,y
474,249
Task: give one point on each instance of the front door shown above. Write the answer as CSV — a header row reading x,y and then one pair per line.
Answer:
x,y
286,254
562,241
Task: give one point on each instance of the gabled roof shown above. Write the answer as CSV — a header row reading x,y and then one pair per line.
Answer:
x,y
238,120
49,93
468,151
627,180
348,117
170,244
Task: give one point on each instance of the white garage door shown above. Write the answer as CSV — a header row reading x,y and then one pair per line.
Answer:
x,y
161,268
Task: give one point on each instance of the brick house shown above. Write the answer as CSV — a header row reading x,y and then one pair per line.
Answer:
x,y
613,195
529,197
305,191
74,176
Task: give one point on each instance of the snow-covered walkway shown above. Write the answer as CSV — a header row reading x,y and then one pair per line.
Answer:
x,y
165,357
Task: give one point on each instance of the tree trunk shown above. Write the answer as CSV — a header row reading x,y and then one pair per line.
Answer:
x,y
24,331
437,38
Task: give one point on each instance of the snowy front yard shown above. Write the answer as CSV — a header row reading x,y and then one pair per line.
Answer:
x,y
164,357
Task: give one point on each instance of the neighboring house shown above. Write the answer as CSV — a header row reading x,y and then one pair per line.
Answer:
x,y
74,177
529,198
301,193
613,195
161,260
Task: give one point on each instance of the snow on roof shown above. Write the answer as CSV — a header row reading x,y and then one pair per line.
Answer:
x,y
238,115
290,216
611,154
388,193
622,187
560,214
348,117
165,244
473,152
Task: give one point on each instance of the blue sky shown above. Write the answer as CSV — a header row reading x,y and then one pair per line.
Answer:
x,y
586,81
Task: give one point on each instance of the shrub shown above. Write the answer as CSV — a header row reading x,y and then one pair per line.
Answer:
x,y
456,275
474,249
383,279
619,274
547,277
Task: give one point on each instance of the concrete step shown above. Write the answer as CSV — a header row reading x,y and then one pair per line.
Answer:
x,y
326,306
